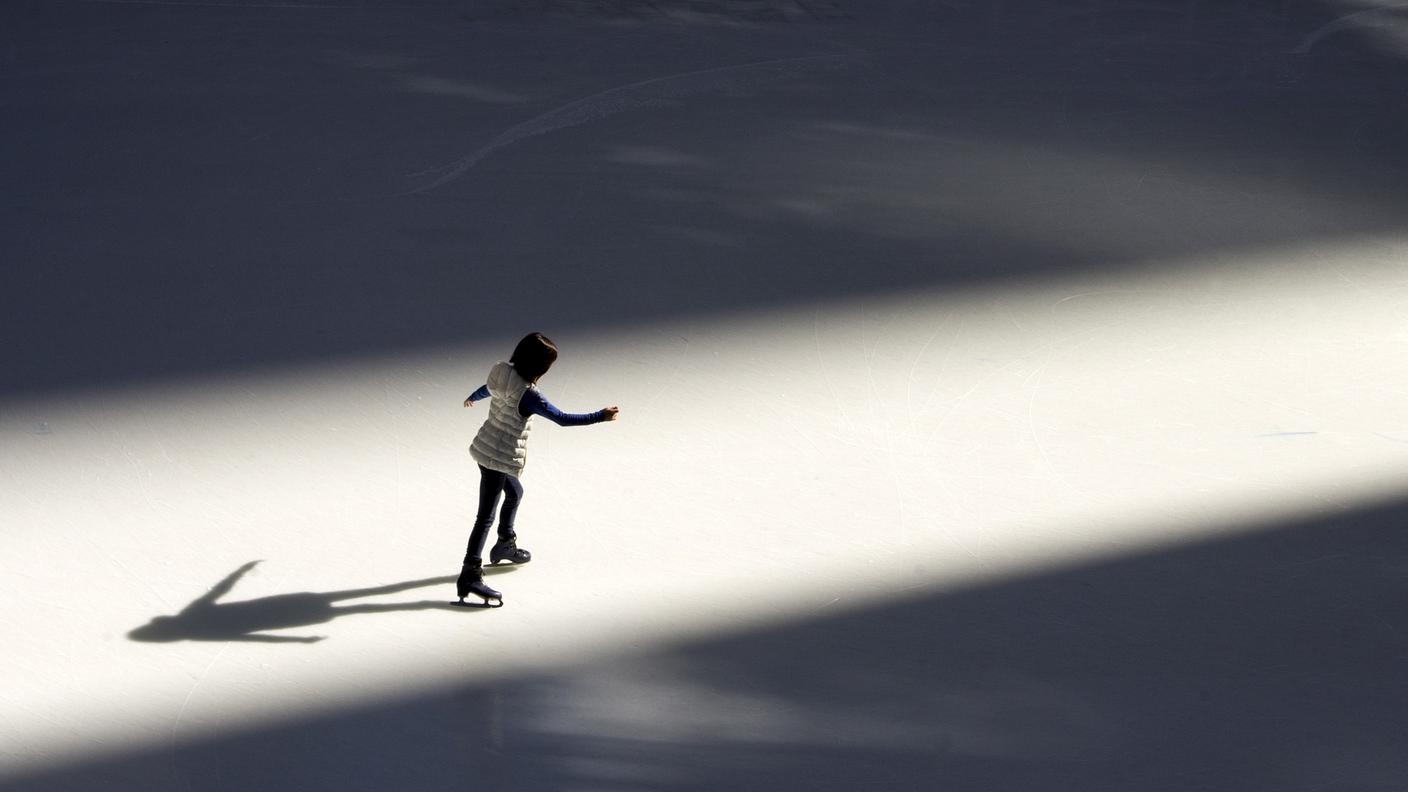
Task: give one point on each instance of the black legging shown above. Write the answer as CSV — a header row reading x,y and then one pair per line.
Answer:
x,y
491,484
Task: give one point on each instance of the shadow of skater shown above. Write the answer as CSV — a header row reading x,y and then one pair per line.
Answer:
x,y
208,620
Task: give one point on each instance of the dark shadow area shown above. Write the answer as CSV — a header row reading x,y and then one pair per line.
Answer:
x,y
206,188
207,619
1271,659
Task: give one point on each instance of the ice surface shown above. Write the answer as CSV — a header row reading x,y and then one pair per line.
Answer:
x,y
1011,392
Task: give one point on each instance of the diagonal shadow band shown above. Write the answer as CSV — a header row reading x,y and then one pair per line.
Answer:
x,y
1264,656
1161,132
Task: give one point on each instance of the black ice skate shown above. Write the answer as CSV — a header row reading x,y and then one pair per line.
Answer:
x,y
508,550
471,581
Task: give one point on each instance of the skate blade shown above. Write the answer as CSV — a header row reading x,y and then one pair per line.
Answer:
x,y
479,605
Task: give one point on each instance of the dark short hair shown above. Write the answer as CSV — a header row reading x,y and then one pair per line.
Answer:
x,y
533,356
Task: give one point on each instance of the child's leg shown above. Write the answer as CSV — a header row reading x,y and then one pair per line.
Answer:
x,y
513,495
507,549
491,483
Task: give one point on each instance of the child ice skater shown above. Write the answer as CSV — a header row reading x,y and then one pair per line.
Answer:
x,y
501,449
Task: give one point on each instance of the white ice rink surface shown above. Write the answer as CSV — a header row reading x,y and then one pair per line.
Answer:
x,y
1010,399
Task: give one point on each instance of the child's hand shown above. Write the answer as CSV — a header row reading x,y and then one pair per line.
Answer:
x,y
468,403
611,413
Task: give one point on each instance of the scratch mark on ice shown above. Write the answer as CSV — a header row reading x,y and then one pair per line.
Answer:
x,y
181,714
821,361
1358,18
909,382
645,93
1103,293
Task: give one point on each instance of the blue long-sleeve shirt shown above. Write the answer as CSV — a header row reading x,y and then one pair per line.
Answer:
x,y
533,403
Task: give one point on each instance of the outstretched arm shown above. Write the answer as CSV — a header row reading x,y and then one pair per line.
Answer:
x,y
533,403
220,589
479,395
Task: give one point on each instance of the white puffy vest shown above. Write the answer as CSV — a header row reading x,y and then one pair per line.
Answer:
x,y
502,442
